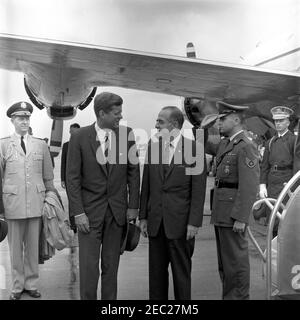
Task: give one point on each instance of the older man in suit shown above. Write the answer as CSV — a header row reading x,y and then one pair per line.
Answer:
x,y
103,190
27,174
172,200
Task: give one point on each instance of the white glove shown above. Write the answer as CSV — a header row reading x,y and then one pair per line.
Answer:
x,y
263,193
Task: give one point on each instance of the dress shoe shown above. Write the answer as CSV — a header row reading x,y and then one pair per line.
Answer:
x,y
15,296
33,293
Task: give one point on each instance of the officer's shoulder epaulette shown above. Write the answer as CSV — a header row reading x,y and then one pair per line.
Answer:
x,y
36,138
239,139
5,138
246,139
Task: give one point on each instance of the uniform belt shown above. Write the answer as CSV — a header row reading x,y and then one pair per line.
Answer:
x,y
223,184
276,167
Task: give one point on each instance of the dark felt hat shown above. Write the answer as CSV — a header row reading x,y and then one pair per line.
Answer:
x,y
130,237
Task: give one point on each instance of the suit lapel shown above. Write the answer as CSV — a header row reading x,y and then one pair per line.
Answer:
x,y
95,145
228,148
225,150
177,155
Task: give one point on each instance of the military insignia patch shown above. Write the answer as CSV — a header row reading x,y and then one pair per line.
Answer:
x,y
251,163
226,170
23,105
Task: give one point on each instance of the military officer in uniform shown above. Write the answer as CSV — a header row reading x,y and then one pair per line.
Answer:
x,y
236,186
27,173
278,159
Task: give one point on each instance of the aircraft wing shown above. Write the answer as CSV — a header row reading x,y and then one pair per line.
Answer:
x,y
187,77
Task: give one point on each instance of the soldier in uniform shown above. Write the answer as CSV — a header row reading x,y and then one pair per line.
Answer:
x,y
278,159
27,174
236,186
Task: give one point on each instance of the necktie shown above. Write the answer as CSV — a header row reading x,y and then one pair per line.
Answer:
x,y
106,147
168,148
226,142
23,144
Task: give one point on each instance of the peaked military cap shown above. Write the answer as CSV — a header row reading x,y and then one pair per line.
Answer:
x,y
281,112
209,120
20,109
226,108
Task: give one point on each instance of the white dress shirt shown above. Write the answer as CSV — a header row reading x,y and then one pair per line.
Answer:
x,y
25,139
101,134
172,145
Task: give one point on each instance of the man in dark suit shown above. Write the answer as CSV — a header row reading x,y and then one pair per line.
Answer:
x,y
172,200
236,187
102,194
73,128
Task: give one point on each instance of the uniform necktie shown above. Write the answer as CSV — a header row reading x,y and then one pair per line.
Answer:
x,y
226,142
23,144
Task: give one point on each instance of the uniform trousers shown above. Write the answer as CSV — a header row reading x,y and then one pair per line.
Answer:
x,y
106,236
162,252
23,241
233,261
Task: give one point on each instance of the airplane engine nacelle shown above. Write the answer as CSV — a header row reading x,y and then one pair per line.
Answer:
x,y
196,109
69,112
57,111
191,109
32,96
61,112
